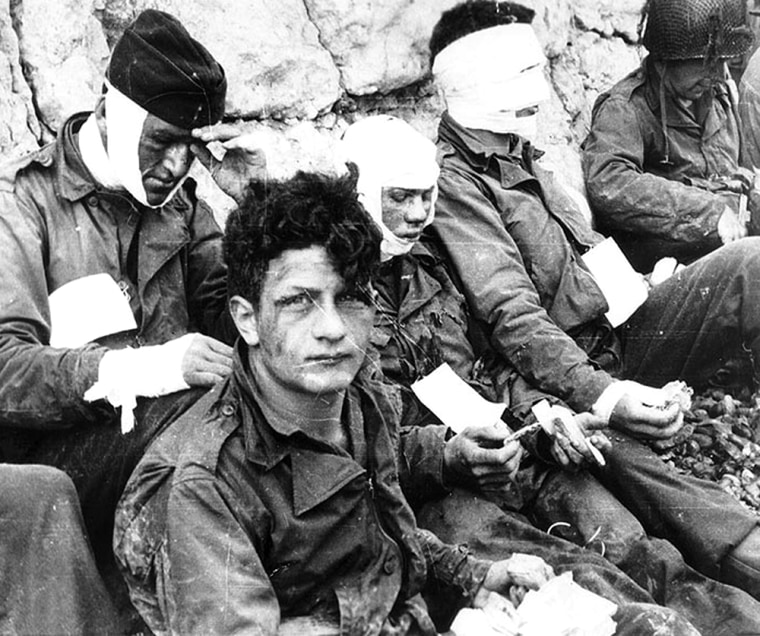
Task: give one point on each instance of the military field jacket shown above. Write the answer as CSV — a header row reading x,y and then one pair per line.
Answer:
x,y
57,225
659,191
515,239
230,525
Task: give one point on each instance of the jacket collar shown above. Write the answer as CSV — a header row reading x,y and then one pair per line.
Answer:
x,y
318,470
73,179
480,146
418,287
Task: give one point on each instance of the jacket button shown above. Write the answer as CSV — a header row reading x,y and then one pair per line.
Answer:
x,y
389,567
92,202
228,410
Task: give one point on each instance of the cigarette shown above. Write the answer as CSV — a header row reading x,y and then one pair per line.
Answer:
x,y
519,434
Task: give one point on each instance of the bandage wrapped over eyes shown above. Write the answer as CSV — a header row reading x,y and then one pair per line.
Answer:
x,y
125,374
389,153
489,75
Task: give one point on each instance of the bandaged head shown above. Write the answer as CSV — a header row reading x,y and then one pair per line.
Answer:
x,y
389,153
493,69
156,67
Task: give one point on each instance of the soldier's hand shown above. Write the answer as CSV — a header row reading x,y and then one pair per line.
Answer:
x,y
206,361
524,571
478,454
243,158
632,416
571,453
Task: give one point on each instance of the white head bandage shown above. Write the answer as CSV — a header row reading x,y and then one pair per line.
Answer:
x,y
119,166
390,153
489,75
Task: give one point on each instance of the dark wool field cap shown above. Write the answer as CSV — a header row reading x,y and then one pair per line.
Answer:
x,y
158,65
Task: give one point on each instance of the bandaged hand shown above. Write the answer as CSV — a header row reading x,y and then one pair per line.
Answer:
x,y
478,455
153,371
643,411
242,158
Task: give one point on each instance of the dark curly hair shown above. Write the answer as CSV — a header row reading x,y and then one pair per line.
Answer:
x,y
469,17
303,211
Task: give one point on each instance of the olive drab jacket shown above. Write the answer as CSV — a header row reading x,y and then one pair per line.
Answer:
x,y
57,225
657,178
515,239
279,524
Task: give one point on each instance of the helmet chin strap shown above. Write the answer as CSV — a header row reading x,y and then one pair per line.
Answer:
x,y
124,125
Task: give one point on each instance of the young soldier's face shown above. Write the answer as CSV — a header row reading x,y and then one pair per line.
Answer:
x,y
310,332
405,211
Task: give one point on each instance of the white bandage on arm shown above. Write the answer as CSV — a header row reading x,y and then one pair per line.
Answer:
x,y
604,406
125,374
647,395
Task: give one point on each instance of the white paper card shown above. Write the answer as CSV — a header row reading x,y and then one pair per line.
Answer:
x,y
624,289
455,402
88,308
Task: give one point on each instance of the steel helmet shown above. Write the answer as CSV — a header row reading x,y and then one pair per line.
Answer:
x,y
695,29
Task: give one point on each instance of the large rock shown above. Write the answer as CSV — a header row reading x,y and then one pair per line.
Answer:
x,y
592,64
610,17
553,24
378,46
20,129
64,54
275,64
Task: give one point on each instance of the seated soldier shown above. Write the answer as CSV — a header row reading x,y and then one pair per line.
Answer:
x,y
515,240
102,223
749,112
423,320
662,158
273,505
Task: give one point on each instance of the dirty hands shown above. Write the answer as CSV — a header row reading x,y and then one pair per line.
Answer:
x,y
570,451
513,577
206,361
643,411
478,455
243,159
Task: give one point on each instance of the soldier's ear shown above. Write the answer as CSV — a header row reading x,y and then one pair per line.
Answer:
x,y
244,316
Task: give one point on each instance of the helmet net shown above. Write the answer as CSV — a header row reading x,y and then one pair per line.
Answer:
x,y
694,29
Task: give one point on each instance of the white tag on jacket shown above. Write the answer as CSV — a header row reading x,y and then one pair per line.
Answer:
x,y
86,309
455,402
624,289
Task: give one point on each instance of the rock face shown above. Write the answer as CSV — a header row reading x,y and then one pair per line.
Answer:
x,y
302,70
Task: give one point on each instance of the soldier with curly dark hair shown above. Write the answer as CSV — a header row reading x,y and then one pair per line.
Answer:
x,y
275,505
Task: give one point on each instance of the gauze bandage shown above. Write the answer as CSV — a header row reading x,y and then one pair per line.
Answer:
x,y
490,75
389,154
124,126
125,374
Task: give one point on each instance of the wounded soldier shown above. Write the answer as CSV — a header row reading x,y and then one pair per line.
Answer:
x,y
423,320
274,504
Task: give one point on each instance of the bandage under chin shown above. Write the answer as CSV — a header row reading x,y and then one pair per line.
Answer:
x,y
125,120
390,154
